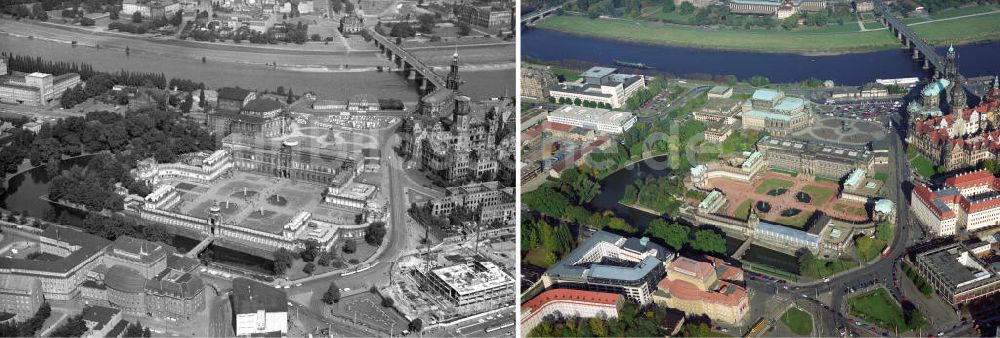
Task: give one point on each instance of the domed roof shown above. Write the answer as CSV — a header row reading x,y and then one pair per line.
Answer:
x,y
884,206
124,279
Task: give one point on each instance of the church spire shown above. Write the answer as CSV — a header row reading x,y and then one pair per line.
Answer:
x,y
453,80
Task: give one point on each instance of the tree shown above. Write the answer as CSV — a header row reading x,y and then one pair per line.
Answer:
x,y
134,331
708,241
350,246
464,29
309,268
188,102
177,19
598,328
759,81
74,327
113,14
402,30
426,23
201,98
311,250
291,97
315,37
375,232
669,6
686,8
137,17
416,325
282,260
387,302
332,294
672,234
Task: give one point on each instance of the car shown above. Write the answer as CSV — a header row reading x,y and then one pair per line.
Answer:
x,y
826,280
298,284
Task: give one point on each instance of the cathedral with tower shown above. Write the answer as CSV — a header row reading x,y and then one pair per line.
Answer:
x,y
456,140
945,129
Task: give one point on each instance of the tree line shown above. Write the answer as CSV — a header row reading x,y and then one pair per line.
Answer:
x,y
29,327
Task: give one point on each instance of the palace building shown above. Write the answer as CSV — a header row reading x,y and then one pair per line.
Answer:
x,y
966,203
963,137
455,139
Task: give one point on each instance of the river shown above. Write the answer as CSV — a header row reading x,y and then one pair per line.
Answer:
x,y
25,189
481,84
846,69
613,188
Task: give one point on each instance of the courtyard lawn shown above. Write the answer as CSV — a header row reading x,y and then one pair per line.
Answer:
x,y
800,322
820,195
878,307
743,210
849,209
923,166
881,176
797,221
771,184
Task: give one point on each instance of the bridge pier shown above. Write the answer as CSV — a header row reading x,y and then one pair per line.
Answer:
x,y
927,64
916,53
411,74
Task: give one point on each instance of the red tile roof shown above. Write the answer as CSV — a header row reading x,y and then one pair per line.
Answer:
x,y
570,295
727,293
972,179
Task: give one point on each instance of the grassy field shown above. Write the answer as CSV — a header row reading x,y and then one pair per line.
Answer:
x,y
743,210
822,268
923,166
868,248
797,221
800,322
569,75
772,183
959,31
820,195
823,40
850,209
878,307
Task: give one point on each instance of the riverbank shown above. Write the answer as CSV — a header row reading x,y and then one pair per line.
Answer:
x,y
972,29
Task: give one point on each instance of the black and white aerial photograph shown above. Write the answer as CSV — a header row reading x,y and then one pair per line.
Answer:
x,y
277,168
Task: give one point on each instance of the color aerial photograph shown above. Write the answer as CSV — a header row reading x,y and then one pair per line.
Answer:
x,y
759,168
258,168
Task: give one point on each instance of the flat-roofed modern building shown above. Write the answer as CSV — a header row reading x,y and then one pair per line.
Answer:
x,y
568,303
71,254
611,263
600,85
33,89
957,273
473,284
771,111
259,309
603,120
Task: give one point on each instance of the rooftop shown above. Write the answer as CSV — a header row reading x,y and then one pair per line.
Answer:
x,y
595,115
85,246
473,277
576,296
598,72
765,94
588,260
250,296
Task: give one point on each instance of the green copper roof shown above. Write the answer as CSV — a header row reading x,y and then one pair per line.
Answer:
x,y
935,88
789,104
765,94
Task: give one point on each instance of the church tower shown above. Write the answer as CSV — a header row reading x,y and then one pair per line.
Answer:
x,y
452,81
950,64
958,101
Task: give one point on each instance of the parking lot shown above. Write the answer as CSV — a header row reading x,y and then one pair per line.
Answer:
x,y
866,110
